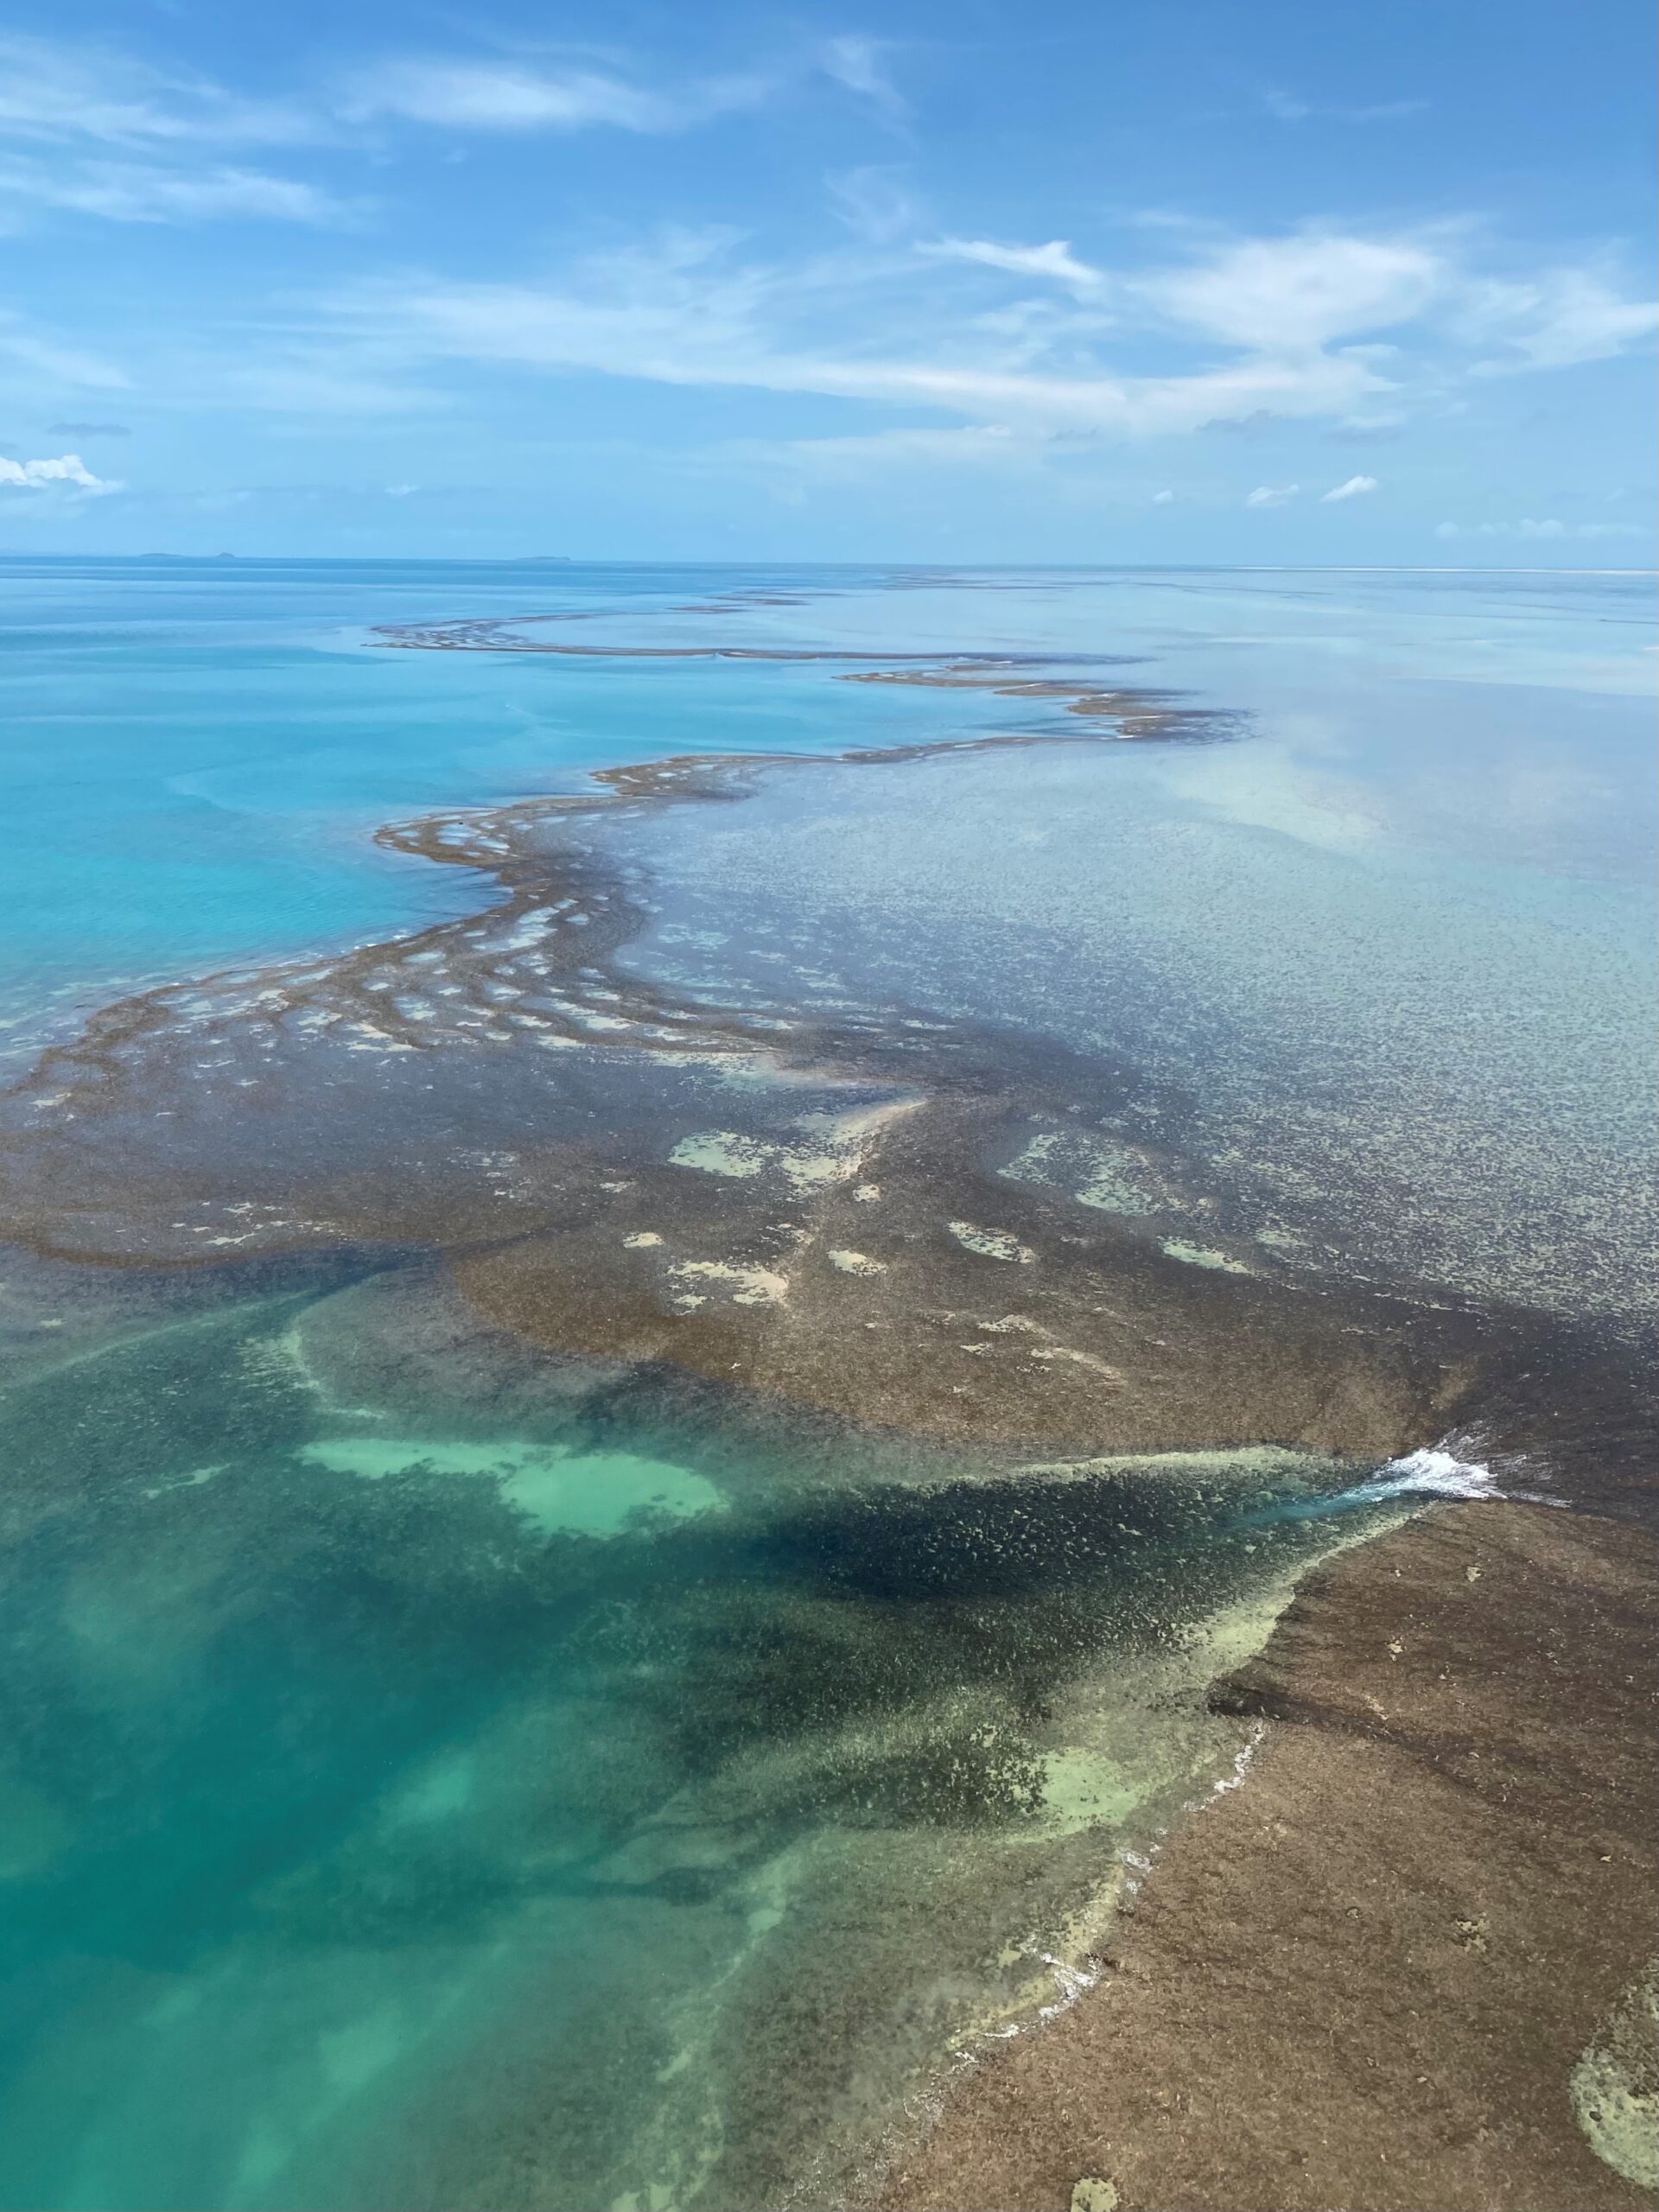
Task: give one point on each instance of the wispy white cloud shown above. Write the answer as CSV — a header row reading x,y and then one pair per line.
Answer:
x,y
1290,107
692,310
528,94
858,63
67,92
80,92
1273,331
44,360
1355,488
68,469
874,202
1307,289
1554,320
96,132
1162,498
513,96
1273,495
145,192
1055,259
1311,288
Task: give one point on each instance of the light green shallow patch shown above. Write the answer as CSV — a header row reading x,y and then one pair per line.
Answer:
x,y
1083,1788
1242,1463
564,1493
1202,1255
1615,2086
1112,1177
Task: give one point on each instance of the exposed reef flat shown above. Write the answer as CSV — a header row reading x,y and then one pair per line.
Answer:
x,y
1409,1963
1130,714
806,1205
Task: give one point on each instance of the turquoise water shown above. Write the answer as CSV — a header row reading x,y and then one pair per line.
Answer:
x,y
197,751
435,1772
443,1818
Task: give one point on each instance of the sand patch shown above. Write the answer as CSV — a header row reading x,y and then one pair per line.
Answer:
x,y
991,1243
1084,1790
1114,1177
1201,1255
562,1492
1615,2086
828,1148
747,1286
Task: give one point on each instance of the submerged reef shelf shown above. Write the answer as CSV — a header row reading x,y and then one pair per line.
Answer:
x,y
1127,714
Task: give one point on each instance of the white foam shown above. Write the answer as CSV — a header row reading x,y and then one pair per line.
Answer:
x,y
1432,1470
527,932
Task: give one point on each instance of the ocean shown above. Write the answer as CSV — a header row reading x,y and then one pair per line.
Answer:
x,y
684,1250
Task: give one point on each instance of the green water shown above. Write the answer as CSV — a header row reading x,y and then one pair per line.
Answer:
x,y
401,1811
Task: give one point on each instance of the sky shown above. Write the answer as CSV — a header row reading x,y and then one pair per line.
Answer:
x,y
969,281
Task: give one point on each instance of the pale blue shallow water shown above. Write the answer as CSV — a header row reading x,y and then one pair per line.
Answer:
x,y
433,1777
197,751
1400,973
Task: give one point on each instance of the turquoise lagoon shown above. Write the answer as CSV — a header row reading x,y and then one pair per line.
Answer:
x,y
439,1774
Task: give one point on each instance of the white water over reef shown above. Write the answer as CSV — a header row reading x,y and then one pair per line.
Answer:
x,y
1432,1469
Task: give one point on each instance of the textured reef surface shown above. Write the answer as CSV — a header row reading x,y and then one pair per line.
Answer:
x,y
1410,1964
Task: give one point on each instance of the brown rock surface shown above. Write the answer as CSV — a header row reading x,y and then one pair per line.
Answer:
x,y
1364,1979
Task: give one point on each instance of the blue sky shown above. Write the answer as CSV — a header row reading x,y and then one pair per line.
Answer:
x,y
1086,280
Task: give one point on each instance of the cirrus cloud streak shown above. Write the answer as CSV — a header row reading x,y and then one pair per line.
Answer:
x,y
1317,324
